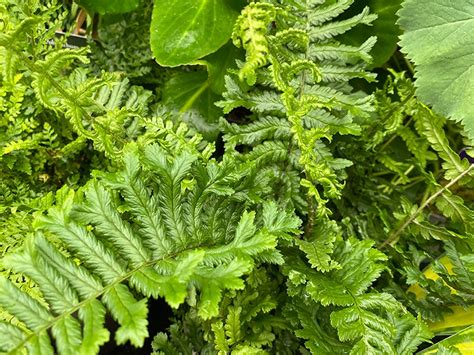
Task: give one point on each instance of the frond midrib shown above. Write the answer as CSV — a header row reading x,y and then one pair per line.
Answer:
x,y
96,295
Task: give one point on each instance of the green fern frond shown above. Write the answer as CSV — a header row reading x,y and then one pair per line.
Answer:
x,y
157,251
327,31
258,131
320,247
262,102
314,97
411,333
432,128
461,276
249,32
363,318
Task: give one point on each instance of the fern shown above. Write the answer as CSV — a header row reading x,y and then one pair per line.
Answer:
x,y
123,46
162,248
306,229
249,32
250,321
313,103
427,179
98,108
362,318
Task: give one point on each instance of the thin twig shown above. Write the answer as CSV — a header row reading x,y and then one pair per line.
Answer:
x,y
392,239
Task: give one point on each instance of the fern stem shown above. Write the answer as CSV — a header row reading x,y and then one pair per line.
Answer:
x,y
96,295
393,238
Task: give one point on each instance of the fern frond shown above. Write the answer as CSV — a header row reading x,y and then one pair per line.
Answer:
x,y
319,248
268,102
258,131
367,320
359,323
115,255
411,333
249,32
432,128
337,52
313,87
327,31
454,207
462,267
326,13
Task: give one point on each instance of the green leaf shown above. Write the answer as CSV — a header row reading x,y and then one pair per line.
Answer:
x,y
411,332
190,94
361,322
220,339
9,336
93,316
319,249
67,332
183,31
174,287
360,265
384,27
130,313
213,281
232,325
26,308
219,63
438,38
104,7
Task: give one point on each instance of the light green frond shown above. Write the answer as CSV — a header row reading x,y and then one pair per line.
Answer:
x,y
232,325
220,338
265,128
249,32
54,286
212,281
102,234
79,277
370,332
320,246
432,126
9,336
337,52
94,332
130,313
67,331
326,13
99,211
411,332
454,207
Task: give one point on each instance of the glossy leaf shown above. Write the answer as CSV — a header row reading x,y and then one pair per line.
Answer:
x,y
219,63
190,94
438,39
183,31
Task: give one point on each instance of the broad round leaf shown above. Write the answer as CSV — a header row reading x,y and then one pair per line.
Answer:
x,y
183,31
109,6
439,39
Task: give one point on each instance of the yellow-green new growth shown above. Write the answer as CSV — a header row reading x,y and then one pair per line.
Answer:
x,y
250,33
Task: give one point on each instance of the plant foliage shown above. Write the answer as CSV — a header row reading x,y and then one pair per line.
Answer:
x,y
443,55
275,197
